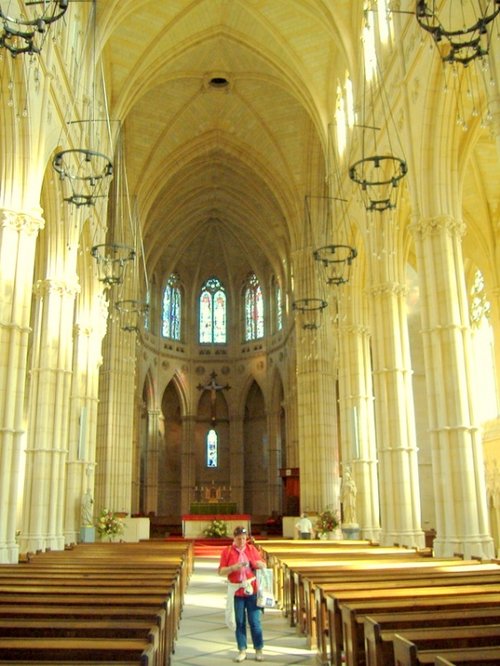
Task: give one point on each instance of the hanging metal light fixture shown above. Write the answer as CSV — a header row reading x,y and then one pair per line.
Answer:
x,y
335,257
132,310
379,170
112,260
131,314
85,171
464,35
24,34
309,310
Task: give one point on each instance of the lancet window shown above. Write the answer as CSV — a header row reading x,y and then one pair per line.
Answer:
x,y
254,309
213,312
172,304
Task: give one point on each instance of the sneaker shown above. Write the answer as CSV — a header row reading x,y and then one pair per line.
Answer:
x,y
242,655
259,656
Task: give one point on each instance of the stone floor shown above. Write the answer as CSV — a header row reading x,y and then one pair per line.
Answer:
x,y
204,639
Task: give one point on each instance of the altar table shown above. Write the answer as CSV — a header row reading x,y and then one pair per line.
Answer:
x,y
194,524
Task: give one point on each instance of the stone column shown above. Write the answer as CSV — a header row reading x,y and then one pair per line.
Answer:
x,y
47,450
83,417
318,444
18,234
394,410
457,454
116,420
274,483
357,422
150,462
237,472
188,465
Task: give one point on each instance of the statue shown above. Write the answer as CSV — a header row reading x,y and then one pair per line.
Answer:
x,y
87,510
348,493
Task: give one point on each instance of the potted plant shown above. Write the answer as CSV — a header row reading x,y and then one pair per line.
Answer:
x,y
217,528
109,525
327,522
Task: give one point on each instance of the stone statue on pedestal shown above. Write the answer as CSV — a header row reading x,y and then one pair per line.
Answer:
x,y
348,493
87,510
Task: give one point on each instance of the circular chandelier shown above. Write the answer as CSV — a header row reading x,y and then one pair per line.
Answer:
x,y
337,260
465,37
131,313
378,176
86,171
21,34
112,259
309,308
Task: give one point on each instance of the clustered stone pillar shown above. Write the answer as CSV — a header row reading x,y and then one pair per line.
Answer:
x,y
457,454
188,464
47,449
359,449
316,413
395,418
116,420
18,234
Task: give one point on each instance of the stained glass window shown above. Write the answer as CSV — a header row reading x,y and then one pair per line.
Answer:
x,y
171,321
278,305
212,448
254,309
213,312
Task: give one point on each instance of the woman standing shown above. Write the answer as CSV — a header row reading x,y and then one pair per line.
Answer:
x,y
239,562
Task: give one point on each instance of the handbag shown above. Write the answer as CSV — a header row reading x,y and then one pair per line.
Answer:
x,y
265,588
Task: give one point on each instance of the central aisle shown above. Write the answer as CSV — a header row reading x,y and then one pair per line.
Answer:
x,y
204,639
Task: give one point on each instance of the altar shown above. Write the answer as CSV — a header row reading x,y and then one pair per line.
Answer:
x,y
193,524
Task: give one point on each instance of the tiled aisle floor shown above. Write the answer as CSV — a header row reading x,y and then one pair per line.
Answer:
x,y
204,639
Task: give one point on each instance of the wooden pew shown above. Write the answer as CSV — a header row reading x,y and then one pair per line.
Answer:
x,y
351,633
282,562
380,641
409,597
66,650
378,651
314,585
470,656
409,653
82,621
315,593
83,587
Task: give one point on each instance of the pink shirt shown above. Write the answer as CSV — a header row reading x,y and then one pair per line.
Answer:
x,y
231,555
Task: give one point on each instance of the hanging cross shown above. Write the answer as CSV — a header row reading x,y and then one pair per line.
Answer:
x,y
213,387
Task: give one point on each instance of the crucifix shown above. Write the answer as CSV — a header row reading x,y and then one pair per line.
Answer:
x,y
213,387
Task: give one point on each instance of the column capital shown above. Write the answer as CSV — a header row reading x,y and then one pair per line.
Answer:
x,y
431,226
395,288
21,221
59,286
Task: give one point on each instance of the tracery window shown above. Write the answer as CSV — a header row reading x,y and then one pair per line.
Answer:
x,y
254,309
278,304
213,312
212,446
171,311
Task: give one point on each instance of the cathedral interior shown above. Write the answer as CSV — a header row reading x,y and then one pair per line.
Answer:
x,y
249,247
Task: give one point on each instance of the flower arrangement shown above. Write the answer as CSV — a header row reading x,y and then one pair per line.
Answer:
x,y
327,521
109,524
217,528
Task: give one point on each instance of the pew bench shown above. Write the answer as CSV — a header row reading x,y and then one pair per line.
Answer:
x,y
318,607
340,634
407,653
66,650
381,642
312,588
85,616
379,653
